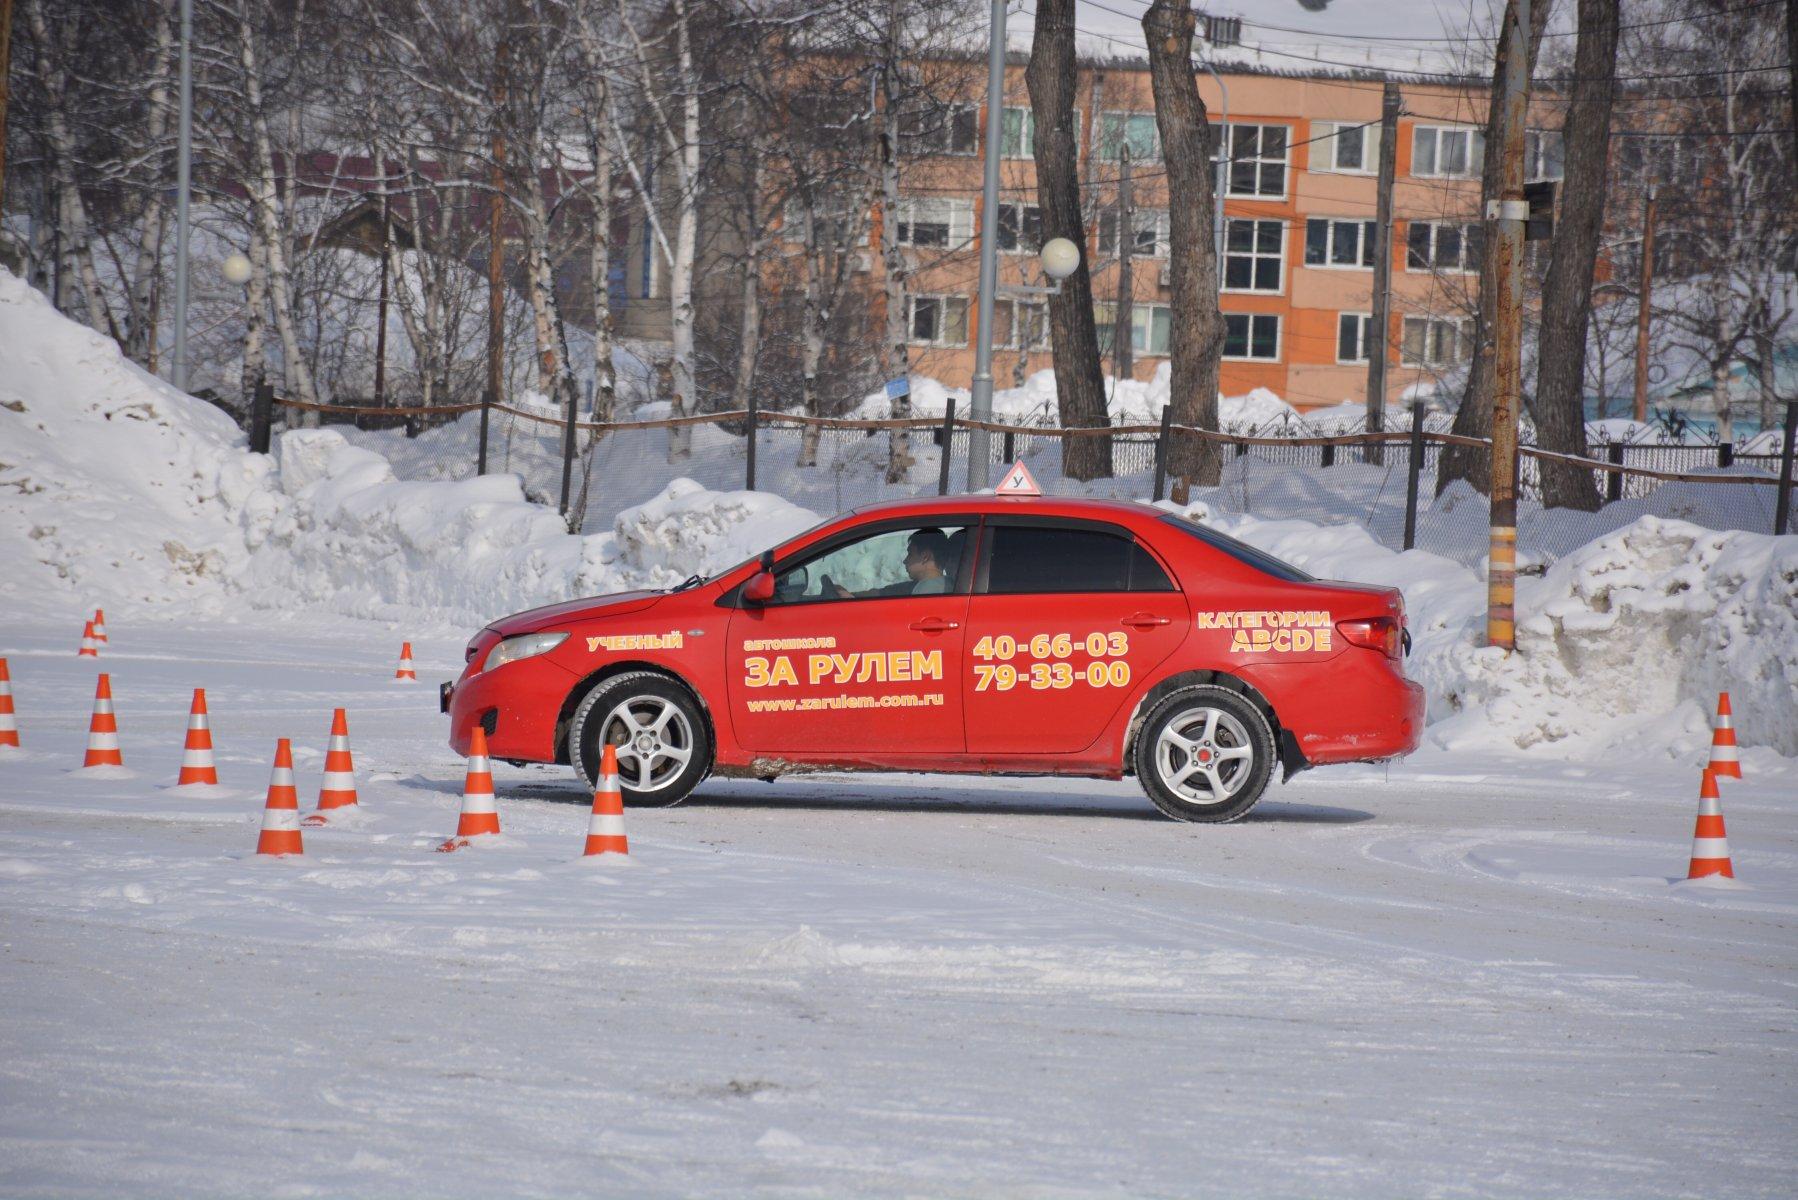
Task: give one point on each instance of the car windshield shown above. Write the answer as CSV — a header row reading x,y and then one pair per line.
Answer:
x,y
1242,552
800,536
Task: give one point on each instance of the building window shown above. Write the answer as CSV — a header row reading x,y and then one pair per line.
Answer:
x,y
1354,149
1020,228
1330,242
1440,152
1223,31
1434,342
1442,246
1257,155
938,320
934,221
943,129
1544,156
1253,336
1020,325
1150,226
1151,327
1254,253
1017,133
1351,337
1136,130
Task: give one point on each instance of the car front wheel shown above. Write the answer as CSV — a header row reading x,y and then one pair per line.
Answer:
x,y
1205,754
663,744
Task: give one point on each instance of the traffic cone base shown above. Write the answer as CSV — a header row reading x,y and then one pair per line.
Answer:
x,y
605,828
1710,844
480,812
89,647
281,812
103,729
404,673
197,767
1724,760
9,725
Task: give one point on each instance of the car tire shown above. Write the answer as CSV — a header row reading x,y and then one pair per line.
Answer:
x,y
1205,754
656,724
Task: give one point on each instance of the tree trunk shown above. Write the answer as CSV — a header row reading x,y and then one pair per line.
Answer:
x,y
895,350
1474,417
140,324
1198,325
749,325
1079,383
1559,403
255,356
686,238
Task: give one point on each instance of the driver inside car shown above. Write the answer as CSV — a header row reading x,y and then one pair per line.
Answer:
x,y
926,558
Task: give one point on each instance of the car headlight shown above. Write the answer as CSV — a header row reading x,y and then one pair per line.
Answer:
x,y
527,645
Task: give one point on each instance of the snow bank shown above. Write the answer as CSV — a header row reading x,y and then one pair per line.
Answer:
x,y
1128,401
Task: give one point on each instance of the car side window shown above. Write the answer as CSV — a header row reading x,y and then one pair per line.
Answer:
x,y
918,560
1028,559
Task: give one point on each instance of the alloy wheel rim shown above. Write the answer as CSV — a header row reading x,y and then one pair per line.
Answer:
x,y
1204,756
653,741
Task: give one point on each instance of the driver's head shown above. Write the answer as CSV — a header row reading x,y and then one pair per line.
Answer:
x,y
927,554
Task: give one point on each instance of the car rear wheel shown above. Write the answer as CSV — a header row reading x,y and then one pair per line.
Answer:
x,y
1205,754
663,744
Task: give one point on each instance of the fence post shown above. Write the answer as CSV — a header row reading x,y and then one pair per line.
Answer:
x,y
568,448
1010,447
480,462
1329,455
1613,482
1726,454
1242,448
1413,474
749,457
942,478
1782,508
1167,419
262,415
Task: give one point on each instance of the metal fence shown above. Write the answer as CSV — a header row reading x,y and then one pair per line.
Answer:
x,y
592,471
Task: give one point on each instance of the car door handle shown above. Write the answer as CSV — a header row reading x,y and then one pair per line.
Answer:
x,y
1143,620
935,625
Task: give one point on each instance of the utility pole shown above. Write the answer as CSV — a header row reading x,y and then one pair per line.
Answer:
x,y
1506,216
183,189
496,246
1123,314
1379,333
980,393
1642,306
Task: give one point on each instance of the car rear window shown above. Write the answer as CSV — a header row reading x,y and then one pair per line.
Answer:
x,y
1261,560
1033,560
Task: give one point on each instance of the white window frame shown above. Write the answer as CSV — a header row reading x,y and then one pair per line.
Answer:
x,y
911,322
1362,337
1142,320
1327,140
1279,337
1128,116
1368,235
1259,159
1142,220
958,216
1022,247
1026,148
1535,161
1476,151
1464,349
1254,256
1039,307
1462,265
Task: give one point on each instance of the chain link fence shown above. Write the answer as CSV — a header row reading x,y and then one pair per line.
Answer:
x,y
592,472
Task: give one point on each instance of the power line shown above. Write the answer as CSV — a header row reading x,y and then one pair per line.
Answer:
x,y
1488,37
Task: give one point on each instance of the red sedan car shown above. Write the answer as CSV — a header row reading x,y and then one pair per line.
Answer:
x,y
991,635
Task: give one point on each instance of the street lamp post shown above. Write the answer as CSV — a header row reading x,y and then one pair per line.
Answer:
x,y
980,399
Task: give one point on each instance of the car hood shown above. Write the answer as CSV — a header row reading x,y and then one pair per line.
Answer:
x,y
569,611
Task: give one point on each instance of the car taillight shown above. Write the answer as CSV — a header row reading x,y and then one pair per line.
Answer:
x,y
1384,634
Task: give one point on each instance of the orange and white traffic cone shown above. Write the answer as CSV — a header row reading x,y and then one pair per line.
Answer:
x,y
99,625
339,787
405,671
281,814
1723,742
9,727
605,829
196,755
1710,846
103,730
480,815
89,647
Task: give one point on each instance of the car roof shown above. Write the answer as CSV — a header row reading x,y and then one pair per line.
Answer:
x,y
986,502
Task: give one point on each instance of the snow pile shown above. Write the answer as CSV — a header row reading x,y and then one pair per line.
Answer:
x,y
110,480
690,530
1128,401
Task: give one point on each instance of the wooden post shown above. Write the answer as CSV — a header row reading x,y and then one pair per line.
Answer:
x,y
261,416
1643,298
480,464
749,447
1379,333
381,305
1613,484
1329,454
1167,420
1413,474
1782,508
942,477
1505,217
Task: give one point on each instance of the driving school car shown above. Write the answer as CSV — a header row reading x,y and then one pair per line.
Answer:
x,y
971,634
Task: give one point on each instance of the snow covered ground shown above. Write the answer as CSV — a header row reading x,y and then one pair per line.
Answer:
x,y
1468,975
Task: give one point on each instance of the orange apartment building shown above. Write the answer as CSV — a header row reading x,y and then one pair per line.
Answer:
x,y
1299,206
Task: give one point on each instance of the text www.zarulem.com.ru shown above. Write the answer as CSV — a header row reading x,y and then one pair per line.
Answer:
x,y
826,703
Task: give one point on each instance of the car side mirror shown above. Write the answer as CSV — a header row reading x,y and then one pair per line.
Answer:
x,y
759,589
